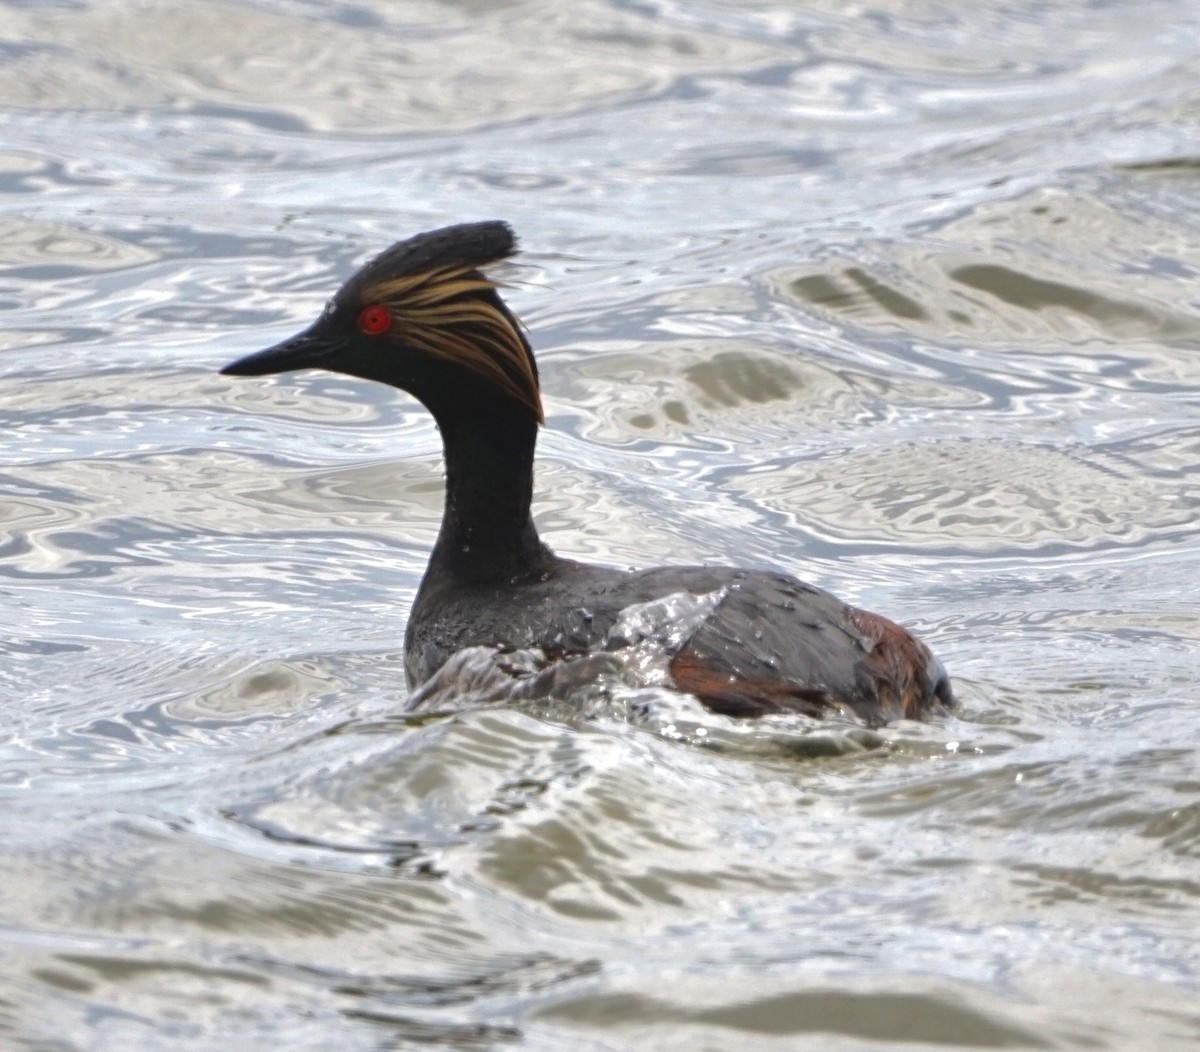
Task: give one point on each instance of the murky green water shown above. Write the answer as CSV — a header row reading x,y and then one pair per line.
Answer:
x,y
900,297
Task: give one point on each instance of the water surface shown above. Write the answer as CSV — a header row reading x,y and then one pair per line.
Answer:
x,y
901,298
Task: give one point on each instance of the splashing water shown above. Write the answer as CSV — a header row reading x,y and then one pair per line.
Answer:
x,y
628,678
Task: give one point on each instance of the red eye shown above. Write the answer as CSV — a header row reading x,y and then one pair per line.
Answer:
x,y
375,320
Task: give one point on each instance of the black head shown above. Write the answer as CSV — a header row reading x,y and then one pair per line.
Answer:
x,y
420,316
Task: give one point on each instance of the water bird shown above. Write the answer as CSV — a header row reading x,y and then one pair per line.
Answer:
x,y
423,317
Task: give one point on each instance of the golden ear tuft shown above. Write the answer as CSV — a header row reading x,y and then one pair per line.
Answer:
x,y
441,312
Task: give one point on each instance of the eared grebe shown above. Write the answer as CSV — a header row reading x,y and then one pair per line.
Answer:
x,y
422,317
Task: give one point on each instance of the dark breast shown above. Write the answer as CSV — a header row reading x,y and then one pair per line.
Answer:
x,y
768,644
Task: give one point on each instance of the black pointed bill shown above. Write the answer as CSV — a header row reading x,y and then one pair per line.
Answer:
x,y
311,349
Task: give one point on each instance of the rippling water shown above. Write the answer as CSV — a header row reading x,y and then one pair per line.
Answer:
x,y
901,297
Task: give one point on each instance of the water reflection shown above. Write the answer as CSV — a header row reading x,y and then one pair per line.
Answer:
x,y
897,299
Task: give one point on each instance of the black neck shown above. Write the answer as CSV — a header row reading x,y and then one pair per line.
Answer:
x,y
487,532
